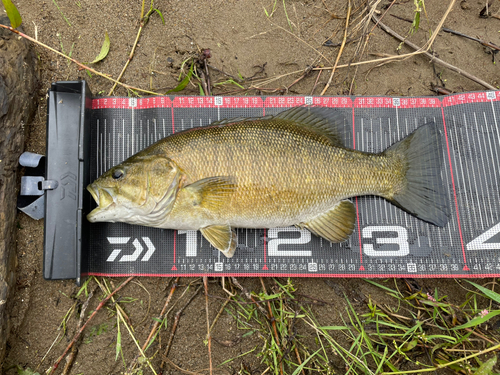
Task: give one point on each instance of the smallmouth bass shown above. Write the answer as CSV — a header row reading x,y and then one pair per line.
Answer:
x,y
274,171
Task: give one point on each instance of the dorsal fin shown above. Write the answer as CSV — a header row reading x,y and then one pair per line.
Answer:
x,y
326,122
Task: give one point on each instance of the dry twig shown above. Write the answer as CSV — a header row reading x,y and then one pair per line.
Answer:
x,y
209,335
79,332
273,322
429,55
155,325
340,50
480,41
77,62
423,49
70,359
171,363
176,322
143,22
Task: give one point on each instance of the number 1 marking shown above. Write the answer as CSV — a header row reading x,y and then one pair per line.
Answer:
x,y
191,242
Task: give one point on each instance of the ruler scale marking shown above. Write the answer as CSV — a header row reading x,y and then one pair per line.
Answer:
x,y
483,156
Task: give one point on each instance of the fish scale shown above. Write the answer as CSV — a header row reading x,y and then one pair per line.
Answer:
x,y
275,164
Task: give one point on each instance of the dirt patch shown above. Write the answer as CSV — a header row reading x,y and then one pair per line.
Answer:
x,y
242,40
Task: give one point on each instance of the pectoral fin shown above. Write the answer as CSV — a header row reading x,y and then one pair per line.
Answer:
x,y
222,238
335,225
212,192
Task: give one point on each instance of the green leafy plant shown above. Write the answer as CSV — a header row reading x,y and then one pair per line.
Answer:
x,y
12,13
184,82
27,371
104,49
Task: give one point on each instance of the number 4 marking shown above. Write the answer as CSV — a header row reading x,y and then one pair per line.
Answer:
x,y
479,242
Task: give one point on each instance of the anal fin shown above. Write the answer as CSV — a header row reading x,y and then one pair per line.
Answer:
x,y
335,225
222,237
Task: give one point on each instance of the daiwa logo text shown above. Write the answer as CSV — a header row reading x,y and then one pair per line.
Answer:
x,y
135,255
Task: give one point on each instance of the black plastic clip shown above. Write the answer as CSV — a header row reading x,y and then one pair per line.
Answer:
x,y
31,198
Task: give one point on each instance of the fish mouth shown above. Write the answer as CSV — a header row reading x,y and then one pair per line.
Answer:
x,y
104,201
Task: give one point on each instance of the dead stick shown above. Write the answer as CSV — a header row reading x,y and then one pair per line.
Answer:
x,y
204,83
340,50
483,42
223,72
270,315
219,314
273,322
162,313
176,322
426,47
130,57
207,78
479,335
75,338
298,359
305,74
248,295
316,83
433,58
180,368
72,356
155,325
77,62
144,21
209,335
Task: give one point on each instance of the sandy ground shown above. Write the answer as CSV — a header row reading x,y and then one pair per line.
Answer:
x,y
242,41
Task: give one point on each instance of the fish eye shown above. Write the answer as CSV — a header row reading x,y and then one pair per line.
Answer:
x,y
117,174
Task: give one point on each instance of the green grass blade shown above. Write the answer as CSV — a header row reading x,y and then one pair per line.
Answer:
x,y
489,293
487,367
479,320
299,369
28,371
393,292
286,15
334,328
62,14
83,288
104,49
12,13
382,361
233,82
238,356
182,85
118,339
161,15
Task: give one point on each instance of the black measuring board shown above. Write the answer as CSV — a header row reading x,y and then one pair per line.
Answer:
x,y
386,242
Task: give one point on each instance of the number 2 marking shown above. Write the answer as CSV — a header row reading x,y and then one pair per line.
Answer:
x,y
273,251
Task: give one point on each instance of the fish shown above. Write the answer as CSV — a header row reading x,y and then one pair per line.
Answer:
x,y
289,169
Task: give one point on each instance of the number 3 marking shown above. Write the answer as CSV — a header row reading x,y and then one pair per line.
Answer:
x,y
401,240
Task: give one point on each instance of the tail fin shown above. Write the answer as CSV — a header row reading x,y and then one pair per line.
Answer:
x,y
424,194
